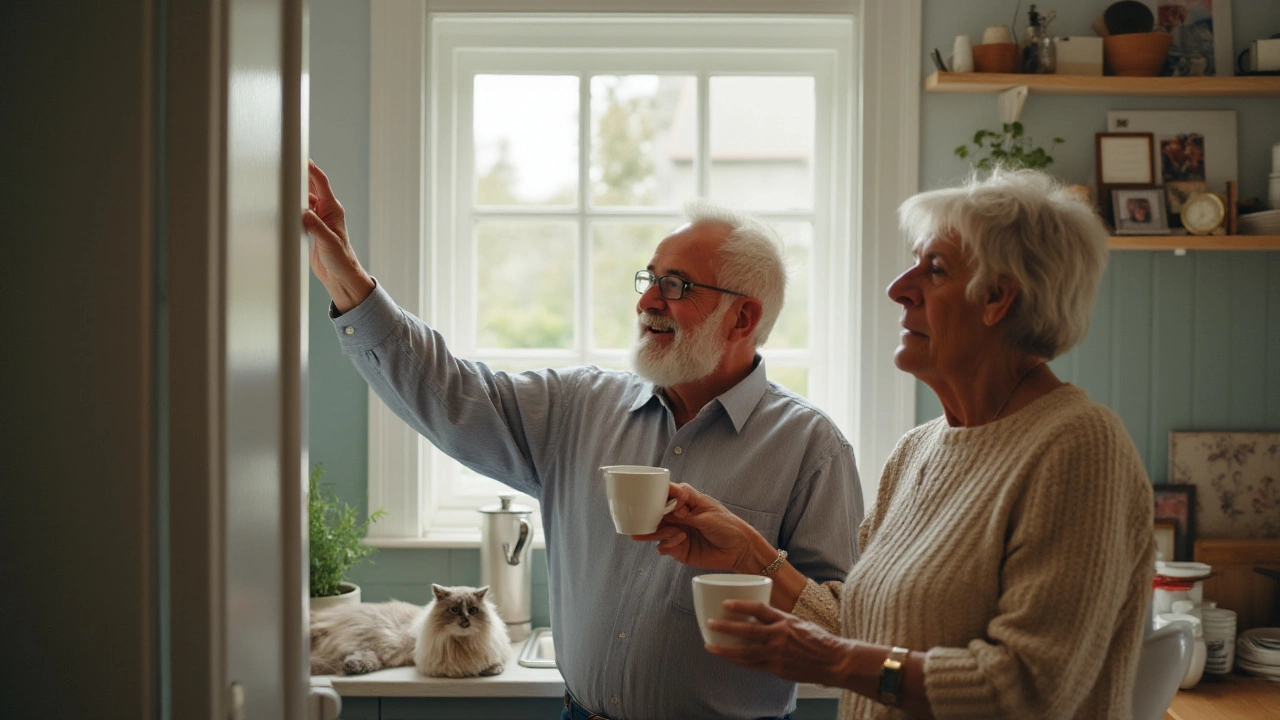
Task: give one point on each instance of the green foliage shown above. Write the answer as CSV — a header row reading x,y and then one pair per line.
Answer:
x,y
335,536
1008,149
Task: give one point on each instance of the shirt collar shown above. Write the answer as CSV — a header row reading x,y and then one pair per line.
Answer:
x,y
738,401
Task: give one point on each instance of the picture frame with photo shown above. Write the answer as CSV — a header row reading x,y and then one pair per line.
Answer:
x,y
1202,36
1189,145
1139,211
1176,505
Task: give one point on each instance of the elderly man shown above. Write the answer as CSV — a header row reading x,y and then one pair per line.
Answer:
x,y
626,637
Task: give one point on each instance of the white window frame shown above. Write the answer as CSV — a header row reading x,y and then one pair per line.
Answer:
x,y
874,403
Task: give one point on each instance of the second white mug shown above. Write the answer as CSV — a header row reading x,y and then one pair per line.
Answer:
x,y
710,592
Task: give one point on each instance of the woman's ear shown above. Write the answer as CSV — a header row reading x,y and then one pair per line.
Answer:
x,y
999,301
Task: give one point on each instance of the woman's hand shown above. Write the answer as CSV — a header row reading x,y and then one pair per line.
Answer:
x,y
783,644
701,532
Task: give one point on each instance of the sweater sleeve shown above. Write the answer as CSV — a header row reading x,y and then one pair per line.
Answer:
x,y
820,604
1078,552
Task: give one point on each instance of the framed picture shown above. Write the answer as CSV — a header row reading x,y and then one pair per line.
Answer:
x,y
1176,505
1166,539
1125,158
1201,31
1176,192
1139,211
1237,475
1190,145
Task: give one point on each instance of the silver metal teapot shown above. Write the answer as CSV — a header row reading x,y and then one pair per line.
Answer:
x,y
506,537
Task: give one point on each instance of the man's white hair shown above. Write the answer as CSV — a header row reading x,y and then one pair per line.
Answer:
x,y
1024,225
751,260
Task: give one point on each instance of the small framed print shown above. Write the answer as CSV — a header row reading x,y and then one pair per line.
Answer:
x,y
1126,159
1176,504
1140,211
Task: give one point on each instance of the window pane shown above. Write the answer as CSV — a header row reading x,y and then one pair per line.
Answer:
x,y
792,328
762,132
642,139
795,379
525,284
618,250
526,139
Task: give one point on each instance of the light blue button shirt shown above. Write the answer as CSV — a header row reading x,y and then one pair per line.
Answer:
x,y
626,638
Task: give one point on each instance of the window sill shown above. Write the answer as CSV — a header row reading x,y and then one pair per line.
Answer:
x,y
453,538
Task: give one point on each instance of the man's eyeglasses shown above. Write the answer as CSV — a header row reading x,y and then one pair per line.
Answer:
x,y
673,287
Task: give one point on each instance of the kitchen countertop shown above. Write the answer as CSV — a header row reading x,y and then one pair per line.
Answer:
x,y
516,681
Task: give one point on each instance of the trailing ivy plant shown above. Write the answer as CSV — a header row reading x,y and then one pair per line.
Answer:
x,y
335,536
1009,149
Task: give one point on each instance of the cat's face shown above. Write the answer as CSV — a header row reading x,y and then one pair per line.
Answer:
x,y
461,610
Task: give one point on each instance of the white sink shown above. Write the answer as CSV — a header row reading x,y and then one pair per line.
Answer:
x,y
538,650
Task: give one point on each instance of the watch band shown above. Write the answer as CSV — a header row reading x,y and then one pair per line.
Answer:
x,y
891,676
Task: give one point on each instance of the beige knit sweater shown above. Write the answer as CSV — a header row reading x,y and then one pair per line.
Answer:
x,y
1017,554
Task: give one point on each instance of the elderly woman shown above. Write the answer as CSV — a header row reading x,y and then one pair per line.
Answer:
x,y
1007,562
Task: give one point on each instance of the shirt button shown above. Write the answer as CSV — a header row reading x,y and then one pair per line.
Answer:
x,y
622,636
614,699
677,451
349,330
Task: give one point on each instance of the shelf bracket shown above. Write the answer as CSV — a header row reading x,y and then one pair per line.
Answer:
x,y
1009,103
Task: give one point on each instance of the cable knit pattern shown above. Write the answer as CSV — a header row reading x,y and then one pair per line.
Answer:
x,y
1017,554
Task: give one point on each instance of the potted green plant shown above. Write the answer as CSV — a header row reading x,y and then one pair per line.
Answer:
x,y
1008,148
335,534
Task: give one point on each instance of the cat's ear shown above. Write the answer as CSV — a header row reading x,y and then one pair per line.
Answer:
x,y
439,591
480,593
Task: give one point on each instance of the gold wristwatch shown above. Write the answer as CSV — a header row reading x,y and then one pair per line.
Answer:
x,y
891,676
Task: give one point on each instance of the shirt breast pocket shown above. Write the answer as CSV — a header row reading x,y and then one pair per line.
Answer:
x,y
768,524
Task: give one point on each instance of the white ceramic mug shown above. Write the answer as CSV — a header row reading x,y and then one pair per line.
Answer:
x,y
709,594
637,497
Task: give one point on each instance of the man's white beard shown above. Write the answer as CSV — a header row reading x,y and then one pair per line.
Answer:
x,y
692,354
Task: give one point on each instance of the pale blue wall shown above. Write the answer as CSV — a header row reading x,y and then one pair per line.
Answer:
x,y
1177,343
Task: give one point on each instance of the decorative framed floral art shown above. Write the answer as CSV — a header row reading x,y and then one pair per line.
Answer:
x,y
1237,476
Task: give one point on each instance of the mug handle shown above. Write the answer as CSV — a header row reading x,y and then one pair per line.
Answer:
x,y
671,505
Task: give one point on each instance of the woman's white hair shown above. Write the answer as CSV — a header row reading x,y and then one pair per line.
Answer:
x,y
1023,225
751,260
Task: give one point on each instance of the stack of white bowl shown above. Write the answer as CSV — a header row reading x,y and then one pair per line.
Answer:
x,y
1219,627
1258,651
1266,222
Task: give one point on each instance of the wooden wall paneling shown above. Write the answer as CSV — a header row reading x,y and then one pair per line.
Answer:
x,y
1214,282
1131,347
1247,362
1173,336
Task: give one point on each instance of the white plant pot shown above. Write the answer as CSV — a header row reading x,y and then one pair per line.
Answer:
x,y
350,595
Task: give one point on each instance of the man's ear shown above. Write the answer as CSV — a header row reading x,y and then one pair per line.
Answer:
x,y
999,301
746,318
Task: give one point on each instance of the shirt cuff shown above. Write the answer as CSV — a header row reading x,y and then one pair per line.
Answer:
x,y
956,685
368,324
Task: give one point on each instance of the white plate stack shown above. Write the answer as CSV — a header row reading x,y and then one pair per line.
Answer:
x,y
1219,627
1259,223
1258,652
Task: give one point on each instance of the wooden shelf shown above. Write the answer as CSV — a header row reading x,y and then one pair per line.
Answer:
x,y
992,83
1194,242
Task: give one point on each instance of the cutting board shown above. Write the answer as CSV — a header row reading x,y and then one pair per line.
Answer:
x,y
1235,586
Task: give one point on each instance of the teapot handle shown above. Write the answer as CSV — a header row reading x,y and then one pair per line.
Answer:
x,y
513,556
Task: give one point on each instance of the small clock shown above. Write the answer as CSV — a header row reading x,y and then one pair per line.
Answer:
x,y
1203,213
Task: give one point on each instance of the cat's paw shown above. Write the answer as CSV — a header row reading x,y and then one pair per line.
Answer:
x,y
492,670
358,663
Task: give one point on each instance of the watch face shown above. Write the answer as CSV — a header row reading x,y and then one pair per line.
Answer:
x,y
1202,213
